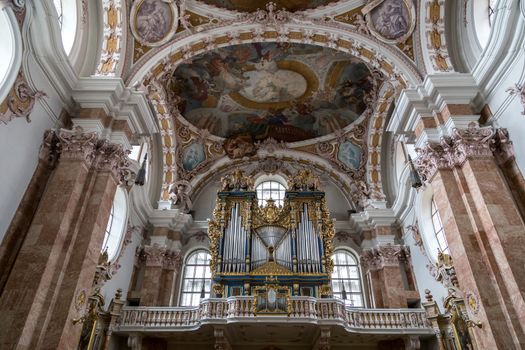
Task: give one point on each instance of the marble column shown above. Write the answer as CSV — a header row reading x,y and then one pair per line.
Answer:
x,y
56,263
383,273
170,274
17,230
484,230
153,257
161,265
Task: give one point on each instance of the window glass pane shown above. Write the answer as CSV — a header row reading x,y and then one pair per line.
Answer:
x,y
355,286
354,272
7,46
439,240
116,225
197,274
346,274
270,189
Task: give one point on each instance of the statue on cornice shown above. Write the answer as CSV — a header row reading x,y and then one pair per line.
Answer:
x,y
237,181
518,90
180,197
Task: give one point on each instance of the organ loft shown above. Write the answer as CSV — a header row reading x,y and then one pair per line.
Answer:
x,y
285,245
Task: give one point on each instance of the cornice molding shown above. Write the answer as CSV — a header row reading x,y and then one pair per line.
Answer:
x,y
430,98
172,218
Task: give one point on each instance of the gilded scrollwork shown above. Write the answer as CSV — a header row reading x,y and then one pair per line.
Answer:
x,y
20,101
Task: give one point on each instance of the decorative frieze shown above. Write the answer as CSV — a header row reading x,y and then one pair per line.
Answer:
x,y
454,151
20,101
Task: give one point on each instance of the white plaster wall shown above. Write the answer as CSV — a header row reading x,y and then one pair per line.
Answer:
x,y
424,279
507,109
122,277
204,203
336,202
19,144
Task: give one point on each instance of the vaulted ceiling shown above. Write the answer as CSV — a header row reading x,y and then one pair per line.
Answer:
x,y
235,82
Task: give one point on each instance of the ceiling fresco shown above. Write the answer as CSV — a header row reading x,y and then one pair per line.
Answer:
x,y
252,5
290,92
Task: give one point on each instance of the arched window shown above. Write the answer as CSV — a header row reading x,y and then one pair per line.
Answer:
x,y
483,13
10,50
67,22
116,225
270,189
196,280
346,278
7,46
439,233
139,153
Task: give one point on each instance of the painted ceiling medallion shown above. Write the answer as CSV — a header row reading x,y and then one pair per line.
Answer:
x,y
391,21
153,22
254,5
290,92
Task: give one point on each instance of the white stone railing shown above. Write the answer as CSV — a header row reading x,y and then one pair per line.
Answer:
x,y
303,310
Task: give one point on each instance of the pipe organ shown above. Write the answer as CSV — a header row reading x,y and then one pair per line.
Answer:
x,y
252,244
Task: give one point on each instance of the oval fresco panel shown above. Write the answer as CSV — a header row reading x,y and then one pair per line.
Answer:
x,y
392,20
153,22
192,156
290,92
350,154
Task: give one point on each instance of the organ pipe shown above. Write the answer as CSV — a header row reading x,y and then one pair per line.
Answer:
x,y
248,241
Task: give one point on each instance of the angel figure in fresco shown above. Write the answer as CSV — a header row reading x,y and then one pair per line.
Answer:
x,y
226,78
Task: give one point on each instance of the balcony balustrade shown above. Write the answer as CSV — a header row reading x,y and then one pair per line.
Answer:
x,y
325,312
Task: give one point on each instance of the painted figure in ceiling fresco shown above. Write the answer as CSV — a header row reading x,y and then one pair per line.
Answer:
x,y
153,21
192,156
350,154
290,92
391,19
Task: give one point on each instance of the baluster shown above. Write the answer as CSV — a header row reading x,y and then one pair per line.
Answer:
x,y
177,318
169,318
366,320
